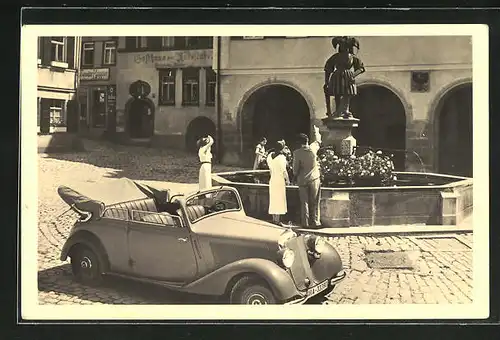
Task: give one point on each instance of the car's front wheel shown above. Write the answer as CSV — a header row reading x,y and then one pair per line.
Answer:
x,y
86,266
251,290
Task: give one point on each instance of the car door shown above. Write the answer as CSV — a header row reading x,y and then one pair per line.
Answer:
x,y
112,232
160,251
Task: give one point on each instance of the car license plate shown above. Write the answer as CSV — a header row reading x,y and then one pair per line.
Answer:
x,y
317,289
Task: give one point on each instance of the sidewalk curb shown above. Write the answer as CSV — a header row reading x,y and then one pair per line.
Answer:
x,y
388,230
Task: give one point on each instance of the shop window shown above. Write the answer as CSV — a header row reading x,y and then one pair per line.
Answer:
x,y
167,42
167,87
88,50
190,86
58,49
109,53
211,83
56,113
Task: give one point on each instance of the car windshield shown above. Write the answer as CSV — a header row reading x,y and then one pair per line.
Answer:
x,y
212,202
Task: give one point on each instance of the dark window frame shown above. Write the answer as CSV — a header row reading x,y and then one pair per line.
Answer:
x,y
114,51
210,80
84,65
191,81
162,74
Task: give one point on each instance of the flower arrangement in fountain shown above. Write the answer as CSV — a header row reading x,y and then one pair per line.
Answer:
x,y
372,167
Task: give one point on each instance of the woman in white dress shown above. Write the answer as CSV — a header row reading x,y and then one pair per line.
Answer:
x,y
205,155
277,163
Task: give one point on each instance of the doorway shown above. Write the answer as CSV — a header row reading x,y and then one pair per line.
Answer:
x,y
140,118
275,112
198,128
382,124
454,128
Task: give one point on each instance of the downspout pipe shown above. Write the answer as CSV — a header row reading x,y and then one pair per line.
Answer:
x,y
219,105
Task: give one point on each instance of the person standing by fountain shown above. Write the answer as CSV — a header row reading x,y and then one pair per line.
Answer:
x,y
307,174
277,164
260,153
317,140
205,156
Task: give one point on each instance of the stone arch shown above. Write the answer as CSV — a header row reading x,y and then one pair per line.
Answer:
x,y
406,104
250,105
128,105
383,121
435,111
197,128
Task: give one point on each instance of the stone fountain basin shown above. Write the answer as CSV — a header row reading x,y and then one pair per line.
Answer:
x,y
417,199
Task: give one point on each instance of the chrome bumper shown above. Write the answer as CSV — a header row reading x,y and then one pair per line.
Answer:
x,y
332,282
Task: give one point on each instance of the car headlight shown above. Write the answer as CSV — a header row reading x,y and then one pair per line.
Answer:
x,y
288,258
288,234
320,244
316,243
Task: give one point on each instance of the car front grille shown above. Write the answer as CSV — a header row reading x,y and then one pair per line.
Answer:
x,y
301,268
307,268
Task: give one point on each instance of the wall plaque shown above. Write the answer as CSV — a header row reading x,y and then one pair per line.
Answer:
x,y
420,81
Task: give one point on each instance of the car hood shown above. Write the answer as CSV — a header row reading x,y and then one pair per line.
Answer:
x,y
239,226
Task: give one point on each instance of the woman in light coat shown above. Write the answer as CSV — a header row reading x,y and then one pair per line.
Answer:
x,y
205,156
277,164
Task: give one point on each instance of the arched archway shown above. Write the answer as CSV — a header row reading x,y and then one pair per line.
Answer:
x,y
140,117
382,122
274,111
453,127
197,128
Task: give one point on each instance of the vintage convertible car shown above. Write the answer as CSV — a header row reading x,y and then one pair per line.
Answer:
x,y
199,243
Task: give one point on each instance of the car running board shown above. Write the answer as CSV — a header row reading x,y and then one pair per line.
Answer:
x,y
166,284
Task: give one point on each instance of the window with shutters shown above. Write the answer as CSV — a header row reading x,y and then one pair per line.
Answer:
x,y
190,86
167,87
88,51
109,53
56,113
211,83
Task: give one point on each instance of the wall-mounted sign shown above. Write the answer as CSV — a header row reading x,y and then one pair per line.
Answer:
x,y
175,58
94,74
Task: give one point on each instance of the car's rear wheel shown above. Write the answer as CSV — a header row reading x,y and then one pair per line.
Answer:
x,y
251,290
86,266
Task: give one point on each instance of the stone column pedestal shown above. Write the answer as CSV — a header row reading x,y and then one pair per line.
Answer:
x,y
339,134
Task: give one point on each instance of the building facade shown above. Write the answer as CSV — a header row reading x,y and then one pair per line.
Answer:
x,y
58,60
414,100
97,85
165,90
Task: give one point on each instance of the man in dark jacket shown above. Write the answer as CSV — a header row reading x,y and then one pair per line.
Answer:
x,y
307,175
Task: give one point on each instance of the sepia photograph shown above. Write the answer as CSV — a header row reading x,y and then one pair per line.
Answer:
x,y
172,172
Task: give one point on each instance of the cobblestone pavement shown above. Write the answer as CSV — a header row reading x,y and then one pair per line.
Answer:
x,y
438,268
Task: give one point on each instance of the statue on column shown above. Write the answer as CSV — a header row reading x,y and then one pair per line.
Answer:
x,y
341,69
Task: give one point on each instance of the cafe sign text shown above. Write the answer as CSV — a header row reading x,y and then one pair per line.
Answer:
x,y
175,58
94,74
